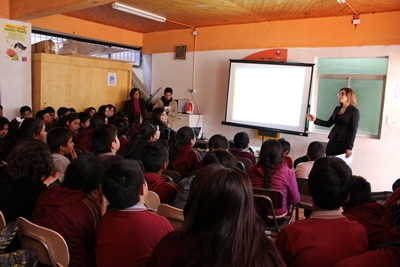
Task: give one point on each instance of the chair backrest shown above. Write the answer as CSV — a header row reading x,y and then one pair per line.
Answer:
x,y
51,246
174,175
240,166
301,185
174,215
3,223
267,201
246,162
152,200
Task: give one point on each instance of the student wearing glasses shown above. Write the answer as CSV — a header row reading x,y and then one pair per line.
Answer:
x,y
345,118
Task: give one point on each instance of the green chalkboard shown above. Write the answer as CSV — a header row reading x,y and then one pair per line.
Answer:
x,y
366,77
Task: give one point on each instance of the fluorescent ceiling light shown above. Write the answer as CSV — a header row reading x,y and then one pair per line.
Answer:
x,y
341,1
137,12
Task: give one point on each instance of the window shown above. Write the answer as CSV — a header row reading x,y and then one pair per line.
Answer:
x,y
366,76
92,48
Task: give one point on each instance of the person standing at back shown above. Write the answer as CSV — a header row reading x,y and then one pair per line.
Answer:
x,y
345,119
168,104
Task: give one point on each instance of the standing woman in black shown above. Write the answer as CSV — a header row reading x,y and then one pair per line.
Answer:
x,y
345,117
136,110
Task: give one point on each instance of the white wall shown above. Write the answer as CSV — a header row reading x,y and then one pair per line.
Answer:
x,y
375,159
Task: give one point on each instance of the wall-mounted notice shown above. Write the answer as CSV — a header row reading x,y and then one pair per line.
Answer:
x,y
112,79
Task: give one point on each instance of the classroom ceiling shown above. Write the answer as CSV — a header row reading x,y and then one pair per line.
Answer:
x,y
183,14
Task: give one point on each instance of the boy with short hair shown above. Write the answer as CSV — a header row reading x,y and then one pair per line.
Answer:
x,y
315,151
26,112
127,234
106,143
60,143
327,236
155,160
242,144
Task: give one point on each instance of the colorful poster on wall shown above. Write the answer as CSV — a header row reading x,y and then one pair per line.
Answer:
x,y
112,79
15,65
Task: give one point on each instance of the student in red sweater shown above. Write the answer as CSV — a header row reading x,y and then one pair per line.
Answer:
x,y
183,158
327,236
127,234
155,160
242,144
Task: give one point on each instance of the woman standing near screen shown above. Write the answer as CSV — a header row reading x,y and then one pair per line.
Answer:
x,y
345,117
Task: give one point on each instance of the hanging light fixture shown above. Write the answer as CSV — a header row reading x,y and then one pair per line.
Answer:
x,y
137,12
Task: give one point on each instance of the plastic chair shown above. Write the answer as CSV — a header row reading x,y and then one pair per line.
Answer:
x,y
305,198
240,166
152,200
174,175
268,201
246,162
51,246
174,215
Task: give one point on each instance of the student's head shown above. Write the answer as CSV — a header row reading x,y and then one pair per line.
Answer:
x,y
218,141
1,111
32,128
122,114
135,93
97,120
315,150
84,120
26,112
396,185
360,192
241,140
168,93
122,126
159,116
51,111
154,157
4,126
285,146
84,173
72,122
271,154
104,139
123,183
347,95
185,136
111,110
329,182
72,110
148,132
62,111
59,139
29,161
90,111
219,156
103,109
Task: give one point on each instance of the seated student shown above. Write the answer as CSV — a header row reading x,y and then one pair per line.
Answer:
x,y
286,150
155,160
271,172
26,112
242,144
183,158
376,219
84,121
221,227
127,234
62,111
148,132
393,200
106,143
71,209
51,112
327,236
216,156
84,138
60,142
122,132
90,111
315,151
45,116
218,141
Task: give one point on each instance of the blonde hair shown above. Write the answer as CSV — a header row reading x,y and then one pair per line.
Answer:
x,y
351,96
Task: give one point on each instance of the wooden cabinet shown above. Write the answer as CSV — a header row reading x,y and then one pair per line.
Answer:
x,y
78,82
191,120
